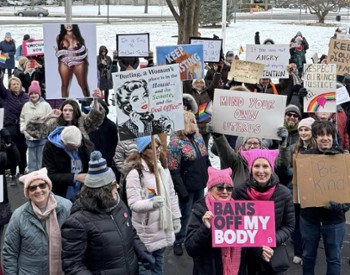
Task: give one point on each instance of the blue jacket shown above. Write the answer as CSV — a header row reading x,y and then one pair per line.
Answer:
x,y
10,49
26,243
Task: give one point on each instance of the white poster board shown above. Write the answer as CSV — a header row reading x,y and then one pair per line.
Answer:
x,y
245,114
133,45
342,95
33,47
274,57
149,101
211,48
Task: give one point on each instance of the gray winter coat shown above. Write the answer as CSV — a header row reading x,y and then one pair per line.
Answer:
x,y
26,243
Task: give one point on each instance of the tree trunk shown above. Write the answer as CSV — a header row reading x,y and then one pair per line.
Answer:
x,y
146,6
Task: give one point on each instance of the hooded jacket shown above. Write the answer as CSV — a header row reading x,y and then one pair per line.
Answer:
x,y
104,70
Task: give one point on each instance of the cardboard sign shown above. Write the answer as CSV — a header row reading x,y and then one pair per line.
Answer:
x,y
243,224
189,58
133,45
322,178
339,53
33,47
246,71
244,114
320,82
274,57
211,48
342,95
149,101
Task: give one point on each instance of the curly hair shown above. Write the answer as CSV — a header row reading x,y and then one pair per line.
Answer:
x,y
98,198
76,113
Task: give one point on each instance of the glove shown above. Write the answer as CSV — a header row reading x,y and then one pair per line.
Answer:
x,y
148,261
210,129
338,207
158,201
282,132
177,225
302,93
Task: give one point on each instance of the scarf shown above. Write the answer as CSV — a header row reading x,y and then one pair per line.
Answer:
x,y
296,79
260,196
166,220
54,233
230,256
291,128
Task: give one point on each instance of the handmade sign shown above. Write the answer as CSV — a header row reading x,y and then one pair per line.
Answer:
x,y
342,95
320,82
189,58
339,53
243,224
33,47
133,45
244,113
246,71
274,57
212,48
323,178
149,101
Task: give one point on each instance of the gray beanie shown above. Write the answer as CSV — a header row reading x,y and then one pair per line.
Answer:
x,y
99,174
294,109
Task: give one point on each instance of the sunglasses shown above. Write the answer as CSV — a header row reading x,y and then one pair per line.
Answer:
x,y
221,188
32,188
292,115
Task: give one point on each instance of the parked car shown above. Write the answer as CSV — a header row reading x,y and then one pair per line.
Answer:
x,y
294,6
32,11
3,3
15,3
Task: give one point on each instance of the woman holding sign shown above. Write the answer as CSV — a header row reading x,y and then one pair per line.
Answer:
x,y
207,259
264,185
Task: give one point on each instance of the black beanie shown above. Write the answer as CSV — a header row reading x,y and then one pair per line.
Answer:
x,y
26,37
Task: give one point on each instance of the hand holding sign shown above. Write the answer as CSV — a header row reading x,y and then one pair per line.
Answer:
x,y
207,219
267,253
97,93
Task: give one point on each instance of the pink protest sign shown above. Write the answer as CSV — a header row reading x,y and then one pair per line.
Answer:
x,y
243,224
33,47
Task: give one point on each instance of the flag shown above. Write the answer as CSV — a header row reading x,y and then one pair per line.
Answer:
x,y
3,58
241,50
151,193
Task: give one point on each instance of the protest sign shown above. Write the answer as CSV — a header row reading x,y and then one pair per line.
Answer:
x,y
149,101
33,47
212,48
339,53
244,113
133,45
243,224
189,58
274,57
320,82
322,178
342,95
343,36
246,71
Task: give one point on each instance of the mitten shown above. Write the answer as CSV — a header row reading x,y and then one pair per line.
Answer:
x,y
338,207
210,129
302,93
177,225
282,132
158,201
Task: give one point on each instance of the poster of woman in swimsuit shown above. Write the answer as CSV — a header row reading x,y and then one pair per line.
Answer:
x,y
70,60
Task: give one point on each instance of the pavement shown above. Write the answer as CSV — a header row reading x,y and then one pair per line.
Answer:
x,y
182,265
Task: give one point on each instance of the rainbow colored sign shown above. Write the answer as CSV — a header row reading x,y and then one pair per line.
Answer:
x,y
318,103
3,58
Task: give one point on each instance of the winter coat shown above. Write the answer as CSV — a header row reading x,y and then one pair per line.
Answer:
x,y
198,243
123,150
30,111
59,164
145,218
13,105
125,62
26,243
104,71
188,163
95,241
25,78
233,159
10,49
202,98
321,214
284,208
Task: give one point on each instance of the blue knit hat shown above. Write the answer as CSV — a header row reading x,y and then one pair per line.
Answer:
x,y
99,174
8,34
142,143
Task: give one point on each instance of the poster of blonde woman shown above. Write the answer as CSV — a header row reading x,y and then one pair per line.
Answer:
x,y
70,60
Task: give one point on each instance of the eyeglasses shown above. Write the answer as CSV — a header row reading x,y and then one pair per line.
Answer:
x,y
255,144
158,148
42,186
292,115
221,188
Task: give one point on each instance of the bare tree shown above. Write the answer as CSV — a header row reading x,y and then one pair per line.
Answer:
x,y
187,18
321,8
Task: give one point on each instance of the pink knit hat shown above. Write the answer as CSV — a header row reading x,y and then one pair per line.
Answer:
x,y
217,176
36,175
306,122
254,154
34,88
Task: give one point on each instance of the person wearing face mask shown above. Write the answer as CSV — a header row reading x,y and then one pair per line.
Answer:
x,y
35,108
188,164
208,260
263,184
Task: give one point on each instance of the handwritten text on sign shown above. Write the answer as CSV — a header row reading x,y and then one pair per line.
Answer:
x,y
211,48
34,47
244,114
274,57
246,71
339,53
243,224
133,45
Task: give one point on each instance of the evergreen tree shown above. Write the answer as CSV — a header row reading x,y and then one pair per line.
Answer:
x,y
211,12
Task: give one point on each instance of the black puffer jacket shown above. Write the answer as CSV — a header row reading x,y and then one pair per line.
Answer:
x,y
97,242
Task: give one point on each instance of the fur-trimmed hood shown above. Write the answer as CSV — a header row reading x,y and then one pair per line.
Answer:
x,y
189,100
